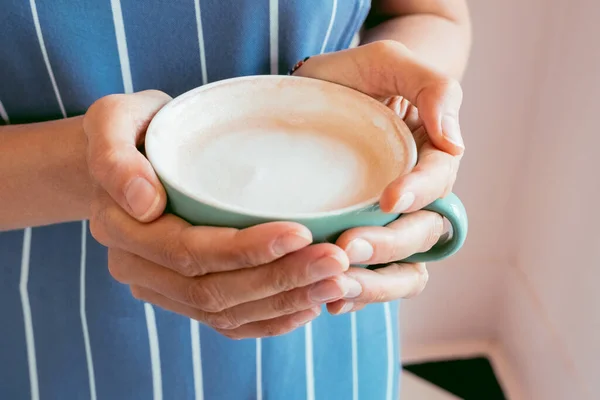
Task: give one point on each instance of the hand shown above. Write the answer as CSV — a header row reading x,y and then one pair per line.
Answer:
x,y
262,281
429,103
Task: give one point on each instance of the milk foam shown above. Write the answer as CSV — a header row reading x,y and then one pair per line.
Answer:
x,y
264,170
279,147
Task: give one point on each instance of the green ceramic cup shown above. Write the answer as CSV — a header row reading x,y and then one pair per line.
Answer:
x,y
257,101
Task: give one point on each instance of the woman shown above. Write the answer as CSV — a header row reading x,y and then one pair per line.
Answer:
x,y
71,331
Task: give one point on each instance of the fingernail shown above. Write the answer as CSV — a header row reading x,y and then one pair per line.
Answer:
x,y
404,202
346,308
451,131
325,291
141,197
290,242
351,287
325,267
307,316
359,250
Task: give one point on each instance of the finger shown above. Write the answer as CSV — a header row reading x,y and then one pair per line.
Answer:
x,y
344,306
150,296
387,68
195,251
115,125
405,110
396,281
432,178
286,303
272,327
412,233
217,292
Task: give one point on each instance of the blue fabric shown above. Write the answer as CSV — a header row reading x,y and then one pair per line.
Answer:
x,y
70,331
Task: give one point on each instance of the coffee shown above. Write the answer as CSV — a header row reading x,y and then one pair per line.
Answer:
x,y
268,149
282,171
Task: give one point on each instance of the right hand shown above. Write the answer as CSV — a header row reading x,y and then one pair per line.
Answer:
x,y
262,281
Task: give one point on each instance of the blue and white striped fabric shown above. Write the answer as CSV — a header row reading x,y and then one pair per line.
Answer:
x,y
68,330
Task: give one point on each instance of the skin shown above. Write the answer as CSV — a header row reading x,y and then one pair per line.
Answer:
x,y
269,279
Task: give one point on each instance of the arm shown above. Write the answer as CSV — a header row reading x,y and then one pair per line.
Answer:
x,y
43,174
437,31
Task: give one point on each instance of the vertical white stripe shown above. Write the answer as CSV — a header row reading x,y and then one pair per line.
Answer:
x,y
354,342
274,30
154,352
3,114
201,42
389,340
38,30
194,325
259,395
328,34
29,338
122,45
310,371
84,324
196,359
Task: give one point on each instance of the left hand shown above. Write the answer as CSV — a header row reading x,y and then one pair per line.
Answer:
x,y
429,103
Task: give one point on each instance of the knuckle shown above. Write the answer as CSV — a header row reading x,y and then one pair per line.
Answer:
x,y
449,167
279,278
271,329
421,281
107,104
242,259
378,296
99,108
385,47
225,320
377,79
435,231
178,255
98,226
283,304
205,296
448,85
115,267
232,334
137,292
246,257
451,173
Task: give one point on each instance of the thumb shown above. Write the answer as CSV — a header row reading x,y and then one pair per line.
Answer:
x,y
387,68
115,126
439,105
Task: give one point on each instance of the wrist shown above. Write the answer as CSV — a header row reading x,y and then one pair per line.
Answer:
x,y
45,174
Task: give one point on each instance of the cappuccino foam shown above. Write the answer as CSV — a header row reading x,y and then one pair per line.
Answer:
x,y
279,147
281,171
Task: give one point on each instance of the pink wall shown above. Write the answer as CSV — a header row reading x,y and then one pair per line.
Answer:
x,y
529,277
498,90
558,245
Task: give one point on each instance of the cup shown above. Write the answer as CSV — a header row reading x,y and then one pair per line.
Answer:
x,y
201,146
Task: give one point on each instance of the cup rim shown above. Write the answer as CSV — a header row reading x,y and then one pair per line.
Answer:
x,y
402,129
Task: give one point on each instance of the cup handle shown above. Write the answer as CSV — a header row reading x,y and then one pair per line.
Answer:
x,y
451,208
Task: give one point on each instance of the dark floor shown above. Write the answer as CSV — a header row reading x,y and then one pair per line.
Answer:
x,y
469,379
